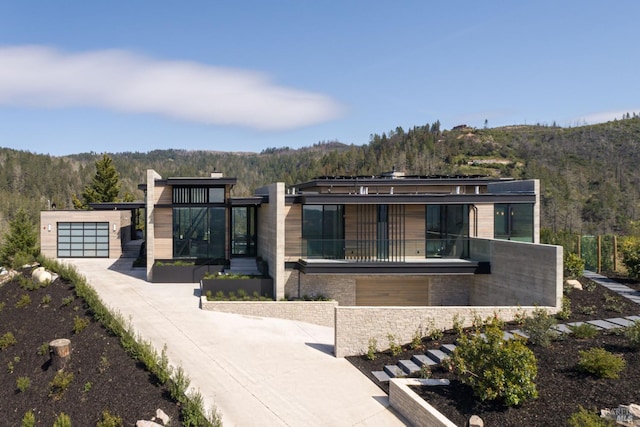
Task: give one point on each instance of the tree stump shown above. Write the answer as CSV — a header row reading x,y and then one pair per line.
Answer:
x,y
60,351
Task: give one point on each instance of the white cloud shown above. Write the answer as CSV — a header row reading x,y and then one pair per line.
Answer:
x,y
43,77
604,116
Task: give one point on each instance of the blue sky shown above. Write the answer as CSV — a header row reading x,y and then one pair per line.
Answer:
x,y
79,76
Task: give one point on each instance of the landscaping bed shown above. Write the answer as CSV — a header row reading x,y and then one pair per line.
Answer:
x,y
561,387
105,377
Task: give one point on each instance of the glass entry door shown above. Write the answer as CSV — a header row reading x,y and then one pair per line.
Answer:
x,y
243,231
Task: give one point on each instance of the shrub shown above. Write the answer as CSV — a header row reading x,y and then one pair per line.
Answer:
x,y
587,309
87,387
633,334
416,340
425,372
589,286
43,350
7,340
29,419
613,303
178,385
584,418
24,301
372,349
23,384
63,420
67,300
631,256
601,363
565,312
394,347
573,265
20,243
109,420
79,324
583,331
192,412
60,383
458,324
46,300
494,368
539,328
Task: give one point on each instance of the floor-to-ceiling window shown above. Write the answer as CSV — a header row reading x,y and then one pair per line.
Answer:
x,y
513,222
323,231
243,231
199,231
447,230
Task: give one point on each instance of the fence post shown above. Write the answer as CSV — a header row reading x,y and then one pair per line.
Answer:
x,y
599,255
615,253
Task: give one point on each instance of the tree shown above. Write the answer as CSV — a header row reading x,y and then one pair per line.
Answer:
x,y
20,242
105,185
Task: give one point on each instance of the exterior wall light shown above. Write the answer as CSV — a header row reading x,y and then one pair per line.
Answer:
x,y
114,227
49,228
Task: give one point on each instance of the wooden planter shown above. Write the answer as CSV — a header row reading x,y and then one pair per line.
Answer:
x,y
263,286
183,273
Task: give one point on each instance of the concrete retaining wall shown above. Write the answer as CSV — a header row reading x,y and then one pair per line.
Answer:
x,y
356,325
411,406
317,312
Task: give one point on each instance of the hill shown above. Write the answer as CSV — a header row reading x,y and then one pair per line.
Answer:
x,y
590,183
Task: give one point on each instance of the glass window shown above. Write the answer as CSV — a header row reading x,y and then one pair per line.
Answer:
x,y
447,230
199,232
513,222
197,195
323,231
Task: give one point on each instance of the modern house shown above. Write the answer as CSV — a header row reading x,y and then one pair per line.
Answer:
x,y
390,240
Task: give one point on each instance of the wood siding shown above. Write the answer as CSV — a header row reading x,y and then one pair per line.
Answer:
x,y
392,291
292,232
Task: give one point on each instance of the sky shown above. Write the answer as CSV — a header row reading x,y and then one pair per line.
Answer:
x,y
120,76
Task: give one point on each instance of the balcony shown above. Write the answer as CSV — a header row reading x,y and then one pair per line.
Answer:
x,y
430,256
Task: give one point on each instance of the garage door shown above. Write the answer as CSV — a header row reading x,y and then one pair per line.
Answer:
x,y
392,291
83,240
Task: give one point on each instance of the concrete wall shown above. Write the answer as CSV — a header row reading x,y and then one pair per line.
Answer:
x,y
356,325
49,236
413,407
317,312
150,220
271,243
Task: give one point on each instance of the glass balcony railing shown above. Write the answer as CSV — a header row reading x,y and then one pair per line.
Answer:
x,y
389,250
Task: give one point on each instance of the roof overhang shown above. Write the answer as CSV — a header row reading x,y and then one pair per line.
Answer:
x,y
426,267
116,206
410,199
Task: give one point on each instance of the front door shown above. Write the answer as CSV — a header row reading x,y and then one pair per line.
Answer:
x,y
243,231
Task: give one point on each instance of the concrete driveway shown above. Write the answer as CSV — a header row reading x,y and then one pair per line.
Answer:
x,y
257,371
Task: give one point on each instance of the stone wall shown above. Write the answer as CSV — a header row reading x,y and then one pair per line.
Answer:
x,y
411,406
271,235
356,325
317,312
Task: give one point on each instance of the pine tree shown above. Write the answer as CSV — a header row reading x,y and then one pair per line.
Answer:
x,y
105,185
21,240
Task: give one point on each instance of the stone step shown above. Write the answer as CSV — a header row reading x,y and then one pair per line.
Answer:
x,y
408,367
381,376
448,348
574,324
394,371
520,332
621,322
437,355
507,336
422,359
562,328
633,318
603,324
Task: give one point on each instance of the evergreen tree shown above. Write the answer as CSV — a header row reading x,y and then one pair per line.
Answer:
x,y
20,242
105,185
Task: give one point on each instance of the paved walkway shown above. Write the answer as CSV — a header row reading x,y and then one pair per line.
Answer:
x,y
257,371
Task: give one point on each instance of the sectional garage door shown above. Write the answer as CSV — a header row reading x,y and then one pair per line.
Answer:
x,y
83,240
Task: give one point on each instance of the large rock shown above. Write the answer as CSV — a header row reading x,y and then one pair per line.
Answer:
x,y
476,421
574,284
145,423
162,416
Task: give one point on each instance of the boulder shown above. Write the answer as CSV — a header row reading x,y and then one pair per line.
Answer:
x,y
476,421
145,423
574,284
162,416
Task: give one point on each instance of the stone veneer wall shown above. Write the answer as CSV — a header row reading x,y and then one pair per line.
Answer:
x,y
271,235
317,312
413,407
356,325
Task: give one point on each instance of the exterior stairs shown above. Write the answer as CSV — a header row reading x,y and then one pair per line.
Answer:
x,y
247,266
131,249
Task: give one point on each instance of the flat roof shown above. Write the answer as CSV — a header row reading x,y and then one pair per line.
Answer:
x,y
410,180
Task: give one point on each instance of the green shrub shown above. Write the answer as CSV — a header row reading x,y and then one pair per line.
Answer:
x,y
613,303
87,387
24,301
67,300
46,300
589,286
192,413
583,331
60,383
633,334
7,340
79,324
458,324
494,368
539,328
416,340
565,312
29,419
573,265
23,384
588,310
63,420
584,418
631,256
43,350
372,349
394,347
109,420
178,385
601,363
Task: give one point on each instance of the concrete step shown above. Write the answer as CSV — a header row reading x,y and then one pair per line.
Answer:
x,y
621,322
408,367
381,376
437,355
448,348
394,371
603,324
422,359
519,332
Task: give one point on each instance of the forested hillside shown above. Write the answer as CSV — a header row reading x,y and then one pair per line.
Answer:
x,y
589,174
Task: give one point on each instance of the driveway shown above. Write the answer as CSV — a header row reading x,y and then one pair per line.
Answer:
x,y
256,371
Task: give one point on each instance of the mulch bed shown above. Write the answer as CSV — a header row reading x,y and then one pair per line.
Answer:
x,y
105,378
562,389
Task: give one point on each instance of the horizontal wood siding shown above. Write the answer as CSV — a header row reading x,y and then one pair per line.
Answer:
x,y
163,241
415,235
392,291
163,194
485,221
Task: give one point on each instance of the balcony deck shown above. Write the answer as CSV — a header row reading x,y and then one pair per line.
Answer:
x,y
410,266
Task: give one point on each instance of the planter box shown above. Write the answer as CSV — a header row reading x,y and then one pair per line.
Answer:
x,y
264,287
183,273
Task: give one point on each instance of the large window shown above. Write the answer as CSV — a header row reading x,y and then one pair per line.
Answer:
x,y
83,239
513,222
323,231
197,195
199,232
447,230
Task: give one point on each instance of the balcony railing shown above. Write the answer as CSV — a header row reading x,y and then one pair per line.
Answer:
x,y
389,250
